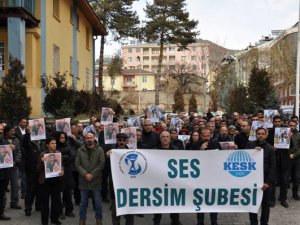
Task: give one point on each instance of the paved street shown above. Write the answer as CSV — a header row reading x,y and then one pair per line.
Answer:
x,y
279,216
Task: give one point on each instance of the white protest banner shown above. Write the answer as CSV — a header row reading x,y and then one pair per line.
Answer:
x,y
176,181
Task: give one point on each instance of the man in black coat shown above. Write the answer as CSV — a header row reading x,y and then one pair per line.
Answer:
x,y
207,143
269,174
32,151
150,139
241,139
165,144
282,167
20,132
174,139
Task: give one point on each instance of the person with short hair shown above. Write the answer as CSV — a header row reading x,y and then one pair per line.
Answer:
x,y
150,139
241,139
174,139
50,187
90,163
269,174
294,154
166,144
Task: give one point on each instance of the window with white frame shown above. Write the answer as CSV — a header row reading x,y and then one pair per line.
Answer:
x,y
144,79
56,59
87,78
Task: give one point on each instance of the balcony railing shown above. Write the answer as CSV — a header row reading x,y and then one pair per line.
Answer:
x,y
29,5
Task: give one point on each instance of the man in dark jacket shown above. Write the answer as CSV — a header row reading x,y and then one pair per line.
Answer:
x,y
282,167
89,163
121,144
20,132
269,174
294,153
174,139
165,144
10,139
207,143
32,152
241,139
150,139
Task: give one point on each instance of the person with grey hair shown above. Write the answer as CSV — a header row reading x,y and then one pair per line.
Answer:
x,y
166,144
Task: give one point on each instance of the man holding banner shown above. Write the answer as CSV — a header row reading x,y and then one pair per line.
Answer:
x,y
269,174
165,144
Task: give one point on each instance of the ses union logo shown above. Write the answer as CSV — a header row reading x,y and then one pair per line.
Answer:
x,y
133,163
239,164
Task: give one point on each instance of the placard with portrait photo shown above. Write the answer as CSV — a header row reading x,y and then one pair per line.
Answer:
x,y
38,129
6,157
52,162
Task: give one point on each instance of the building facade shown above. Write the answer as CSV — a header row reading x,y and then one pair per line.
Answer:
x,y
49,37
201,58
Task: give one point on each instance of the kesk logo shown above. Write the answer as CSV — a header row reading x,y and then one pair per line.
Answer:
x,y
239,164
133,163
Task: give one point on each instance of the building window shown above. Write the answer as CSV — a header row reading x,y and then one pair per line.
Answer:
x,y
129,59
2,59
56,56
144,79
56,9
194,67
193,49
171,49
194,58
203,66
113,81
87,78
138,50
87,38
129,50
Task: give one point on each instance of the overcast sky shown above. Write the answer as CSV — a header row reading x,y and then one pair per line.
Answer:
x,y
232,23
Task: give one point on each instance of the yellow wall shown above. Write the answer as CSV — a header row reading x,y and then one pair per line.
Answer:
x,y
85,56
149,85
59,33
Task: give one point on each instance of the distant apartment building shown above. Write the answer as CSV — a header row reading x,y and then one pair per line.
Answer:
x,y
277,55
199,56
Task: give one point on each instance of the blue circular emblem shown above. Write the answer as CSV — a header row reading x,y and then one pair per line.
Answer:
x,y
239,164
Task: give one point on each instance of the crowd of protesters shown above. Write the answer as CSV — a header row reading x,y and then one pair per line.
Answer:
x,y
86,166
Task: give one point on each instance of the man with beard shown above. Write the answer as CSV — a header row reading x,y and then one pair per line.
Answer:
x,y
150,139
89,163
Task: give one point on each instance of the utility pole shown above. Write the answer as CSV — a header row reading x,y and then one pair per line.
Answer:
x,y
298,68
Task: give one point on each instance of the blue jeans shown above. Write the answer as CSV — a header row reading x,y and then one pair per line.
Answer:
x,y
84,194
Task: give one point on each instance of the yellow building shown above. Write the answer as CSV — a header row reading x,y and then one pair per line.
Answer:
x,y
130,80
49,36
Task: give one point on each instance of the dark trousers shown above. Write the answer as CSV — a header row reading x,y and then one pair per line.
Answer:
x,y
282,174
32,194
265,210
3,185
213,218
48,190
67,201
105,177
173,216
76,188
295,168
129,219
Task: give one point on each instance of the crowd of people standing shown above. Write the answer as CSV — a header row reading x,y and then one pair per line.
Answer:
x,y
86,166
